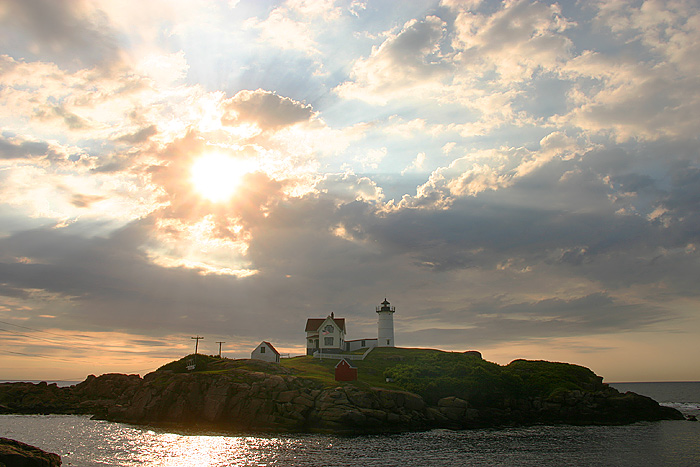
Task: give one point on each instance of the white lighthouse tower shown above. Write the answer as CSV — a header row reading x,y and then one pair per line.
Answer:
x,y
385,325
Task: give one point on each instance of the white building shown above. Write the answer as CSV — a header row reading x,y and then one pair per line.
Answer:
x,y
385,325
327,335
265,351
360,344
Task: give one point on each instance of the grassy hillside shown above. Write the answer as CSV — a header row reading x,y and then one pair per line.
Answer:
x,y
433,374
214,364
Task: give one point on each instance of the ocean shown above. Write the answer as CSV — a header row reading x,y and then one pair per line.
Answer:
x,y
90,443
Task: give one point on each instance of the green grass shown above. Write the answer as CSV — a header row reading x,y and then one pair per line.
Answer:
x,y
203,363
433,374
375,368
322,371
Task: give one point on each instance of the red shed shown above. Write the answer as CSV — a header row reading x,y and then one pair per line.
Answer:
x,y
344,371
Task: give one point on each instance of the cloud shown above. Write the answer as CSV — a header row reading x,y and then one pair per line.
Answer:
x,y
42,98
658,59
492,169
281,30
416,164
493,322
72,34
57,184
85,201
14,148
348,187
324,9
264,108
516,40
406,62
140,136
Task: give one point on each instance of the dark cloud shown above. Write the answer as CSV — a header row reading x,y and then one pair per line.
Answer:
x,y
150,343
84,201
14,149
488,323
634,183
416,47
108,280
683,198
68,33
70,119
9,291
265,108
140,136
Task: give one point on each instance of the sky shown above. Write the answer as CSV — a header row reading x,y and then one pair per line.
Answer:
x,y
517,177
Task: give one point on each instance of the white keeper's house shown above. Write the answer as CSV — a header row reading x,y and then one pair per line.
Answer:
x,y
265,351
327,335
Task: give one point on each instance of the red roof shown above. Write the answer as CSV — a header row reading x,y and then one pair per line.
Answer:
x,y
344,363
312,324
271,347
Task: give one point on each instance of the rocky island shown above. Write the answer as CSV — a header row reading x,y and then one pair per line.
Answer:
x,y
397,390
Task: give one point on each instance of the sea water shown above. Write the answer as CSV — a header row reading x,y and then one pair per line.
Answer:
x,y
86,443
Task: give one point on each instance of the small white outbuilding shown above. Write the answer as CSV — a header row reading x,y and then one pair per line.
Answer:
x,y
265,351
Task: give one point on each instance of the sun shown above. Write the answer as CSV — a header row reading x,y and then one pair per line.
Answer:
x,y
217,176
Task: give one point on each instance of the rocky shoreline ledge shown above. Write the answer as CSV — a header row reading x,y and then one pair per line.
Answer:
x,y
257,396
15,454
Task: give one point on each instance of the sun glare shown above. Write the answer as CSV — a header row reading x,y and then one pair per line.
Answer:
x,y
217,176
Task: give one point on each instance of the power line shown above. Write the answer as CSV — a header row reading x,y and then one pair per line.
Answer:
x,y
29,337
37,356
71,339
62,336
32,329
87,346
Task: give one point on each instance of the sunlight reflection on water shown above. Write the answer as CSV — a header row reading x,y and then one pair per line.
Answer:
x,y
89,443
150,448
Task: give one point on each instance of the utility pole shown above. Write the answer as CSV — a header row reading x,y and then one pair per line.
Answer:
x,y
220,342
196,344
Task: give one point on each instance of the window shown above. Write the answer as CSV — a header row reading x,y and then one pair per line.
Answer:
x,y
327,341
262,349
363,343
388,342
328,328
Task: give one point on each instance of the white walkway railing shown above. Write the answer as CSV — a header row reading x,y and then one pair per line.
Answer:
x,y
338,356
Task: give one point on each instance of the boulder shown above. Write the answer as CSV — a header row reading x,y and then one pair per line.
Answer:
x,y
17,454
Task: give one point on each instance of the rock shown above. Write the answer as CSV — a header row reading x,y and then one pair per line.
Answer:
x,y
41,398
286,396
453,413
413,401
471,415
452,401
17,454
107,386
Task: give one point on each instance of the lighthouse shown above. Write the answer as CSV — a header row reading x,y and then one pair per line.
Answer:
x,y
385,324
